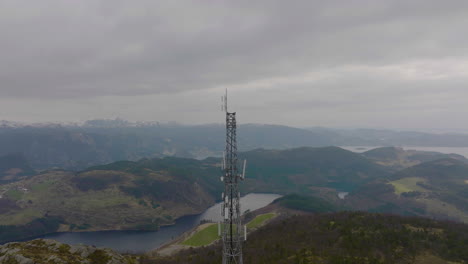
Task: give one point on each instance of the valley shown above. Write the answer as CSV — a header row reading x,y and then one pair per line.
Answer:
x,y
132,241
152,193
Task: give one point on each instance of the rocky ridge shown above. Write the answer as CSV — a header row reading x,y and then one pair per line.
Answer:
x,y
48,251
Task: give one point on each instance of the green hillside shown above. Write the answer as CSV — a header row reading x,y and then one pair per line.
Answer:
x,y
435,188
398,158
14,167
123,195
442,186
344,237
296,170
155,176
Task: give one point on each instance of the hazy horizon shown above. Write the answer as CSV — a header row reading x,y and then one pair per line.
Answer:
x,y
175,123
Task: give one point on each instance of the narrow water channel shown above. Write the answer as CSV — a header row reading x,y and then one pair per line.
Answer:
x,y
142,241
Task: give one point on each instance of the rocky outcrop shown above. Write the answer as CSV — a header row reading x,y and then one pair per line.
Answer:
x,y
48,251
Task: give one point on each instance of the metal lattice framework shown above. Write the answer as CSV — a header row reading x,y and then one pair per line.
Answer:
x,y
232,232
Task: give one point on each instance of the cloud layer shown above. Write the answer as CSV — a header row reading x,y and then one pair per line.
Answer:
x,y
397,64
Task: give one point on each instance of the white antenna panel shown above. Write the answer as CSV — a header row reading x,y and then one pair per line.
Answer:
x,y
243,170
245,233
224,160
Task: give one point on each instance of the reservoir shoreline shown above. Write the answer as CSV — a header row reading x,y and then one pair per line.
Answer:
x,y
139,241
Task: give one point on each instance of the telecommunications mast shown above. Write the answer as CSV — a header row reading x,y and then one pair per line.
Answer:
x,y
232,231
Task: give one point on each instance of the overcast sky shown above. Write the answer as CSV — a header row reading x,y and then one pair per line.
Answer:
x,y
386,64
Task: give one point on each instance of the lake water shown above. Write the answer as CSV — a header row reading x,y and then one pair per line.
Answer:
x,y
342,195
142,241
447,150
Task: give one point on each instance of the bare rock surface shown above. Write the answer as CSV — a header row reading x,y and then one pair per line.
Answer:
x,y
48,251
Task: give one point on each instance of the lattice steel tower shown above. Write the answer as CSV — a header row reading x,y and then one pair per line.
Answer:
x,y
231,230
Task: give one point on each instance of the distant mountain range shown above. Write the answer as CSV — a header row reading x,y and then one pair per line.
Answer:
x,y
73,146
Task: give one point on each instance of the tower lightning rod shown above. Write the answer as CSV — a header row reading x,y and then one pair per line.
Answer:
x,y
233,233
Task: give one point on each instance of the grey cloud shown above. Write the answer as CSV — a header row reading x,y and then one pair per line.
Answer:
x,y
95,48
302,63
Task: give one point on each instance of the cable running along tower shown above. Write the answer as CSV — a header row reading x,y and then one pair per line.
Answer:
x,y
231,230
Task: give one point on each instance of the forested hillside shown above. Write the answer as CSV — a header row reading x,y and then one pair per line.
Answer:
x,y
14,167
300,169
398,158
120,196
345,237
436,188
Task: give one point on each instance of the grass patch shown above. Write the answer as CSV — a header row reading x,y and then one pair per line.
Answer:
x,y
20,218
42,186
259,220
408,185
14,194
203,237
93,200
437,207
